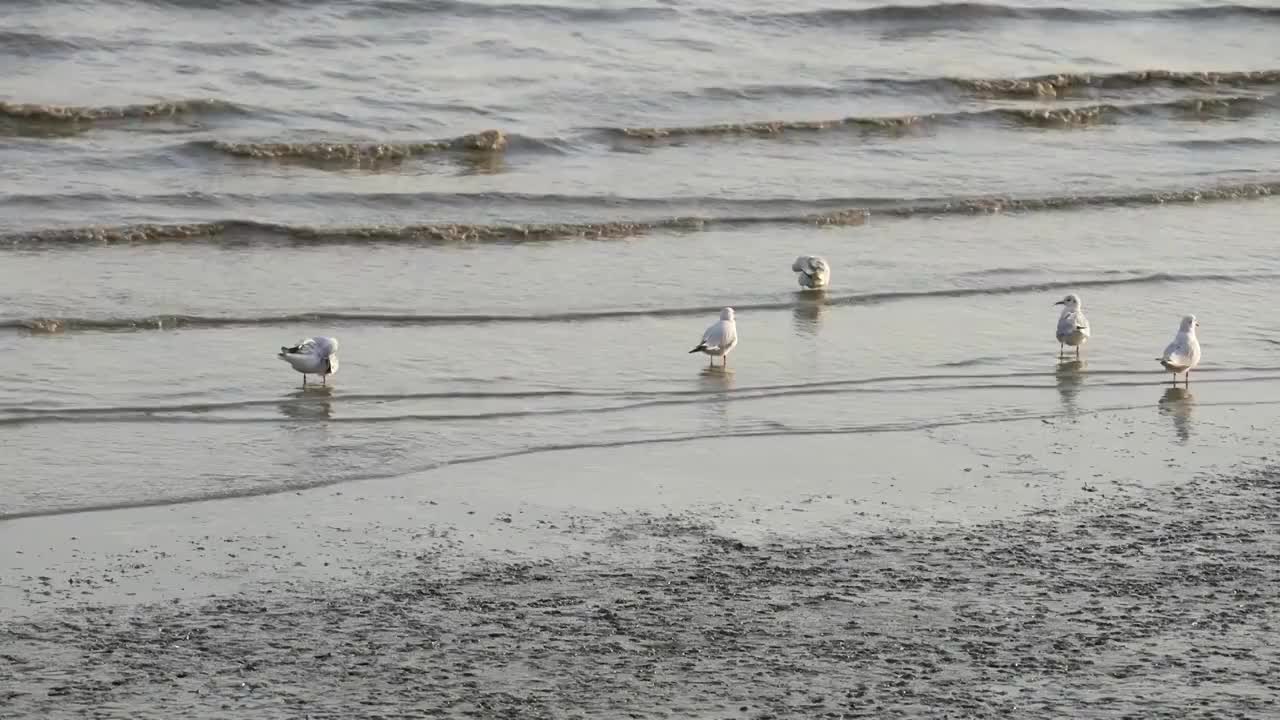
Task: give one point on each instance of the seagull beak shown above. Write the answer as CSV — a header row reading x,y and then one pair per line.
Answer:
x,y
1061,302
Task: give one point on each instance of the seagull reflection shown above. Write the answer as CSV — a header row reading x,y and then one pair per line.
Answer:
x,y
808,311
313,403
716,383
716,378
1070,375
1177,402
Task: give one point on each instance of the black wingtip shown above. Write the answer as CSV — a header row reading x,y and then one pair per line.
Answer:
x,y
700,347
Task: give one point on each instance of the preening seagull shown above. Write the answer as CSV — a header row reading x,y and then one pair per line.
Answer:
x,y
1183,353
1073,326
814,271
313,356
720,338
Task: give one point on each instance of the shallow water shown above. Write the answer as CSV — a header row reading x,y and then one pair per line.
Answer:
x,y
517,218
315,169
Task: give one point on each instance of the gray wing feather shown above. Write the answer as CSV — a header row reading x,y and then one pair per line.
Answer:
x,y
1072,322
714,335
1177,354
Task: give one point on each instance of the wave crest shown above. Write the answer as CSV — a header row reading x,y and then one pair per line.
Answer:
x,y
242,231
970,12
29,112
1041,86
485,141
1199,107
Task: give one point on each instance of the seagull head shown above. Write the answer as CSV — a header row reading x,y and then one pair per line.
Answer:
x,y
1189,324
1070,302
727,314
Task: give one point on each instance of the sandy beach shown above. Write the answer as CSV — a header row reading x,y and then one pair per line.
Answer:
x,y
522,588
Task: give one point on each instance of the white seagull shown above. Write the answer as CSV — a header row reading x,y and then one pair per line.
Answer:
x,y
313,356
720,338
1073,326
815,273
1183,353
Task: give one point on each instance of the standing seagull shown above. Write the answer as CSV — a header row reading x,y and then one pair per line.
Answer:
x,y
815,273
720,338
1183,353
1073,326
314,356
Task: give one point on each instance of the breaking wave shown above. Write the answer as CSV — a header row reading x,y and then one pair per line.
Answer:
x,y
1067,83
490,141
1199,108
822,214
973,12
41,113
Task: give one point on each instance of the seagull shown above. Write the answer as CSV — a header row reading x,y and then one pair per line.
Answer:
x,y
1073,326
815,273
1183,353
313,356
720,338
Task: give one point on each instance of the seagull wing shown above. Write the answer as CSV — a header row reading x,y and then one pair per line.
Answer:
x,y
1066,324
714,337
324,346
1177,354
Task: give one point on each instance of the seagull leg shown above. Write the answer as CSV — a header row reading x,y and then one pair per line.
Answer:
x,y
1188,379
304,379
324,379
711,361
1077,352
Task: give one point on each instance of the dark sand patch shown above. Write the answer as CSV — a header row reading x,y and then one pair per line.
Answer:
x,y
1164,603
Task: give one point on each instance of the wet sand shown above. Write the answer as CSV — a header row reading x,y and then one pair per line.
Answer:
x,y
1119,599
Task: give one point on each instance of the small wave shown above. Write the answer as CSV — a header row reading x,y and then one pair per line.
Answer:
x,y
1033,87
1225,143
296,409
242,231
491,141
973,12
236,231
48,325
1198,107
27,44
1041,86
39,113
914,381
511,11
